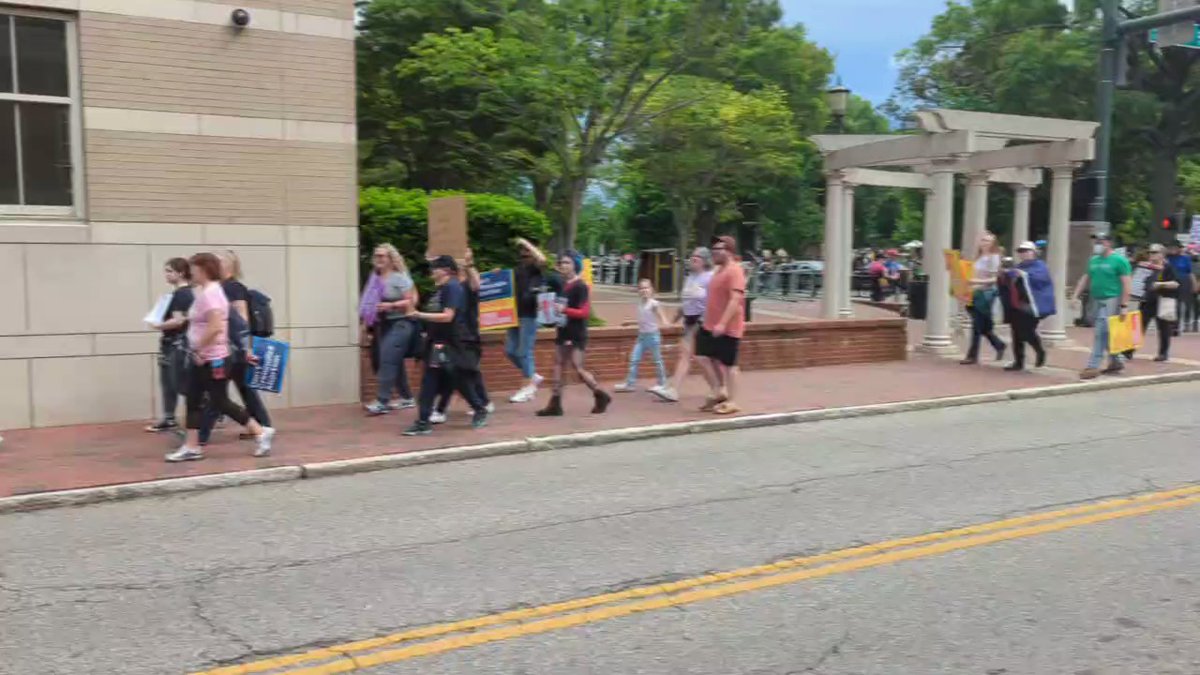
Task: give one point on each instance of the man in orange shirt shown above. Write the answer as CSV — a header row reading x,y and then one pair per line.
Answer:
x,y
724,324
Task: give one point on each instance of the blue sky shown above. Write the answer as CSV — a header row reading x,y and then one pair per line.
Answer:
x,y
864,35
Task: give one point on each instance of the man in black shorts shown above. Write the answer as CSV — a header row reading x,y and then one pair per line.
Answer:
x,y
724,324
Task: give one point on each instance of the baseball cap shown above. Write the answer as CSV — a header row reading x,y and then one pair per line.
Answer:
x,y
1027,246
1156,248
444,262
1102,236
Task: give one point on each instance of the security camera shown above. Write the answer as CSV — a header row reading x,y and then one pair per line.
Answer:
x,y
240,18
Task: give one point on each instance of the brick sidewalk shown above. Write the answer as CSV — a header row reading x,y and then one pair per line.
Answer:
x,y
41,460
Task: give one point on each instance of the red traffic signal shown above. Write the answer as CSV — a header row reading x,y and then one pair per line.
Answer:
x,y
1166,223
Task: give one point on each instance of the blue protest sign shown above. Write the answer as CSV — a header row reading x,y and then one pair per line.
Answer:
x,y
272,362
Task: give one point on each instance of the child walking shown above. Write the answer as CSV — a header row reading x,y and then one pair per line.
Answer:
x,y
650,318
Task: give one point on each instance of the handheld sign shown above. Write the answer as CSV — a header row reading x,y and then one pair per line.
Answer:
x,y
497,300
272,362
448,226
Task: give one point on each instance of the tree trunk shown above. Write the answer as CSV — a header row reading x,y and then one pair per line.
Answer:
x,y
541,195
1164,179
706,225
576,190
684,216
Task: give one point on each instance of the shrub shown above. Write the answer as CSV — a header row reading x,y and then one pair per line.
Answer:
x,y
399,217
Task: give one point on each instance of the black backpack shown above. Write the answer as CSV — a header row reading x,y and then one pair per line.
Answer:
x,y
262,319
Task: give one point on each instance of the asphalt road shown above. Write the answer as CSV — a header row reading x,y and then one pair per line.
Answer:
x,y
191,583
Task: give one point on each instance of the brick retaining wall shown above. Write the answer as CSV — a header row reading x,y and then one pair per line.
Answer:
x,y
766,346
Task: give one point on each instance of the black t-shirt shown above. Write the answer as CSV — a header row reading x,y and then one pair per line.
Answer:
x,y
529,282
235,291
576,329
181,301
448,295
471,315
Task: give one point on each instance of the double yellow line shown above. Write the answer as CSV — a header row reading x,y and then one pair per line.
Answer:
x,y
445,637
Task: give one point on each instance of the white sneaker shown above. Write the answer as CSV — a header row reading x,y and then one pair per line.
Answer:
x,y
625,388
666,393
403,404
491,407
437,418
537,381
264,442
185,454
524,395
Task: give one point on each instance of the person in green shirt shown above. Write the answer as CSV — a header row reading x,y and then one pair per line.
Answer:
x,y
1108,282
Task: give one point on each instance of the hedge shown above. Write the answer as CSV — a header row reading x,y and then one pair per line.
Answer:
x,y
400,217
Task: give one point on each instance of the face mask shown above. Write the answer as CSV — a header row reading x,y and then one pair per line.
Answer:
x,y
1098,249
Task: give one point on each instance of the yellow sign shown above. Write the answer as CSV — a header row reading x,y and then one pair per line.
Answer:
x,y
960,275
586,272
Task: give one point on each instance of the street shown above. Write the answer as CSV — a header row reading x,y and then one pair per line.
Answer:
x,y
1107,581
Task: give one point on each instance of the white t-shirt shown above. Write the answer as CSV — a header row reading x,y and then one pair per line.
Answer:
x,y
987,267
648,316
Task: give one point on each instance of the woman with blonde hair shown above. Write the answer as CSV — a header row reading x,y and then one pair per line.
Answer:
x,y
387,299
986,271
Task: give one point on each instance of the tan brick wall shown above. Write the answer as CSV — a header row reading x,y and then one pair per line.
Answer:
x,y
144,177
338,9
175,66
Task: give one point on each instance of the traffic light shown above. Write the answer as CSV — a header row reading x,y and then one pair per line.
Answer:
x,y
1167,224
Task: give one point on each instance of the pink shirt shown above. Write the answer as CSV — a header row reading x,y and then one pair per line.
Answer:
x,y
209,298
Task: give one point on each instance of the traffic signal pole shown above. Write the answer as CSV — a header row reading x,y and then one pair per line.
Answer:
x,y
1113,32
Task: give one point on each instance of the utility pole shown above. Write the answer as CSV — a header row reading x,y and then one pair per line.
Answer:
x,y
1112,33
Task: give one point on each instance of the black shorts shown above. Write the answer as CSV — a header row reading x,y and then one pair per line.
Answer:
x,y
723,349
691,325
572,338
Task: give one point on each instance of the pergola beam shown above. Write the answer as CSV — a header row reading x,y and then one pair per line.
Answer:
x,y
895,179
1058,153
904,149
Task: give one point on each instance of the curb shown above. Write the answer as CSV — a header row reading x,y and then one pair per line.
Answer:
x,y
344,467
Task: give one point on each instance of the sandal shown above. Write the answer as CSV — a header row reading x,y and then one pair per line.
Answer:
x,y
726,408
711,403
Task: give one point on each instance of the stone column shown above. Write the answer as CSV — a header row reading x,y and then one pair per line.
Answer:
x,y
1054,327
975,210
1021,198
846,308
939,219
831,280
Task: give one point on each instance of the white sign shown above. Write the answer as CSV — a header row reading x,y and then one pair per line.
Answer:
x,y
1195,233
158,313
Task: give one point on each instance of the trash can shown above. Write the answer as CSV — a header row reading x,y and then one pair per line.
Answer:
x,y
749,301
918,298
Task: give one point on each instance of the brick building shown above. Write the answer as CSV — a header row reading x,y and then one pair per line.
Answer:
x,y
132,131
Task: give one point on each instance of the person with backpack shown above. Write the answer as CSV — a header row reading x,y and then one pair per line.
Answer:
x,y
244,306
471,282
208,378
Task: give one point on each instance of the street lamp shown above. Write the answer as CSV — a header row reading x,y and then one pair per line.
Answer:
x,y
838,99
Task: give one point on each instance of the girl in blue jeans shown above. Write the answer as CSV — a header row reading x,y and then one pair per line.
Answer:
x,y
650,318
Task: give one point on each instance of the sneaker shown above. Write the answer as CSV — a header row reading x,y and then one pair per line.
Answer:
x,y
1089,374
164,425
264,442
480,419
185,454
1041,360
1161,358
437,418
524,395
667,394
419,429
1014,367
376,409
537,381
625,388
403,404
491,407
1113,368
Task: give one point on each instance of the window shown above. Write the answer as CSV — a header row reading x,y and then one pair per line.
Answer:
x,y
39,112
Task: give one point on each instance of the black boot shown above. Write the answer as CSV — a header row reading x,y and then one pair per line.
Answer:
x,y
602,401
552,409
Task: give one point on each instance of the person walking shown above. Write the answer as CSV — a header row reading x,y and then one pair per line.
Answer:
x,y
571,339
1108,281
469,277
449,364
208,376
1032,300
1185,275
520,341
649,322
983,297
691,313
386,300
172,344
1161,300
724,324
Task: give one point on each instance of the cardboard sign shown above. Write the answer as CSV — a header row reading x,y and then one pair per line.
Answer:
x,y
448,226
272,362
960,275
497,300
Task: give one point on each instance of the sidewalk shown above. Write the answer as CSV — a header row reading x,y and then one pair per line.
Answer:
x,y
40,460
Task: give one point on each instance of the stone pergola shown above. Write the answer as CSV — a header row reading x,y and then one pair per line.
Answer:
x,y
985,149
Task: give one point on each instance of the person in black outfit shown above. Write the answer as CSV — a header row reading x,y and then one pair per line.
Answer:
x,y
1163,283
448,361
172,346
571,340
469,278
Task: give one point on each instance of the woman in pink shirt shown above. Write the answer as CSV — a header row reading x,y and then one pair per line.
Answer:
x,y
208,340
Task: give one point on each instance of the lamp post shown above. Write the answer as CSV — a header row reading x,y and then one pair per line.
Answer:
x,y
838,99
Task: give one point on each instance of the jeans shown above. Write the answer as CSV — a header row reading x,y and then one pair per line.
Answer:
x,y
519,344
983,325
653,343
1104,308
395,340
172,373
